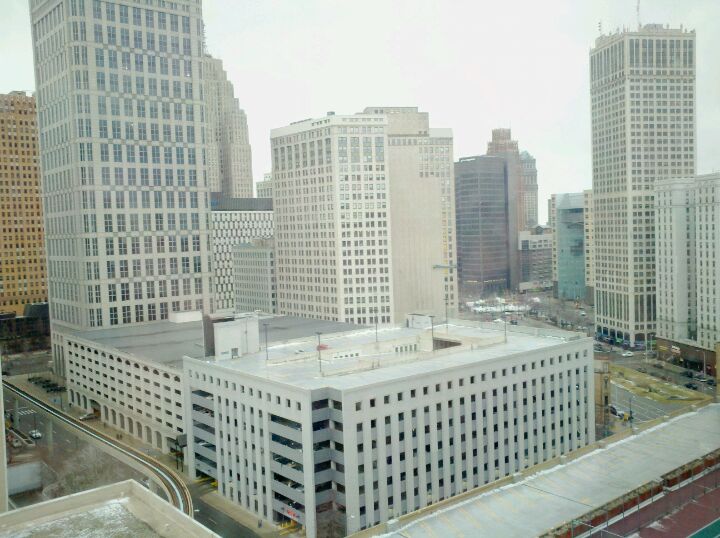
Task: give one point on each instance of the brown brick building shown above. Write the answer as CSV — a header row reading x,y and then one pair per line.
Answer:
x,y
22,247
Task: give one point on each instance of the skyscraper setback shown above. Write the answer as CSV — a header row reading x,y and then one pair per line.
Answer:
x,y
229,158
642,87
122,149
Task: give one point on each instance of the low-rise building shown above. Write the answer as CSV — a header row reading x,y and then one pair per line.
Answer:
x,y
341,432
132,375
254,269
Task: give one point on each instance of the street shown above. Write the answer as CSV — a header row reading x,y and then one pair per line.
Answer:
x,y
658,370
643,409
214,519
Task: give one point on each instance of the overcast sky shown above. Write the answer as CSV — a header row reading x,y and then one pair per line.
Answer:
x,y
473,65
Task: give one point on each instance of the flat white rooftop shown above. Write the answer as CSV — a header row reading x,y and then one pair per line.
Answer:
x,y
121,509
354,359
166,342
565,493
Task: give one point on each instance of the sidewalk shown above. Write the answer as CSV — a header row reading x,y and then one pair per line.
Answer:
x,y
212,498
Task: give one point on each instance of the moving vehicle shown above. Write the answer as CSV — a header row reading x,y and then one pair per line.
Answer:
x,y
627,354
35,434
692,386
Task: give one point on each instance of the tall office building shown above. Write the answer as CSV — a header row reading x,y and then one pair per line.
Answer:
x,y
482,222
422,212
676,216
569,247
551,210
263,189
589,247
229,157
529,191
337,255
332,230
642,86
502,145
22,246
254,274
687,212
121,126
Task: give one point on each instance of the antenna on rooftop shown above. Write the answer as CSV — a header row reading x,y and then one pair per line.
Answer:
x,y
600,27
637,12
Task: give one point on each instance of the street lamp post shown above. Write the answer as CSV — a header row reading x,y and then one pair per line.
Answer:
x,y
319,350
432,333
265,328
376,326
450,266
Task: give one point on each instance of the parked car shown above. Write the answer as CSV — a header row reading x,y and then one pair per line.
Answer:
x,y
711,381
35,434
688,373
692,386
16,443
643,370
627,354
89,416
613,410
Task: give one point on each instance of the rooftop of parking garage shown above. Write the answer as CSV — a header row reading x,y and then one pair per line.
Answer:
x,y
363,357
167,342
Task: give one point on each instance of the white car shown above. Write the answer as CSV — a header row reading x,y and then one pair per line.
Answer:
x,y
35,434
627,354
16,443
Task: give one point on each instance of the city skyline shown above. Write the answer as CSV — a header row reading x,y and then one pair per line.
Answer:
x,y
500,78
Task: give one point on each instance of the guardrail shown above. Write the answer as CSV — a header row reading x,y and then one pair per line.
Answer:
x,y
178,493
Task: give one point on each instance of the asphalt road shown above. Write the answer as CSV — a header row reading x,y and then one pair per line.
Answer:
x,y
60,442
643,409
214,519
637,361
